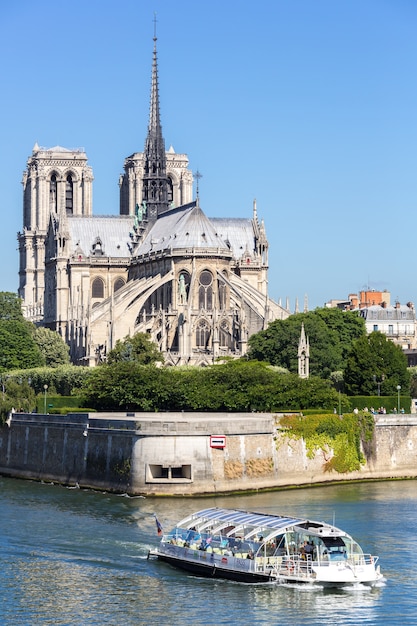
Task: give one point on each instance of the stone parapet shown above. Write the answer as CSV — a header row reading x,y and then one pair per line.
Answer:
x,y
184,453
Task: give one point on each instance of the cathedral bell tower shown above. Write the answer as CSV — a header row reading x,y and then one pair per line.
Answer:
x,y
56,180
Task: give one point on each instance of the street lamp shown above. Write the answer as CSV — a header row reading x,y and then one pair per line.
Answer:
x,y
379,380
45,389
399,400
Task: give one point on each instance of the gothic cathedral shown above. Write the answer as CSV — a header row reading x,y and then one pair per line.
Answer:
x,y
196,285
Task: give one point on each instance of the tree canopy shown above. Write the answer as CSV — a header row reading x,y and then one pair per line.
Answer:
x,y
375,358
10,307
53,348
330,333
139,349
17,346
233,386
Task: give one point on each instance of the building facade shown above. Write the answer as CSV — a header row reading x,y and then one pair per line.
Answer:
x,y
397,321
196,285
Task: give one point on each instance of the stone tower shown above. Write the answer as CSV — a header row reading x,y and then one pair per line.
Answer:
x,y
56,180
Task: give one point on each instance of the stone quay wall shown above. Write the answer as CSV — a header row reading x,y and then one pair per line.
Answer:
x,y
187,453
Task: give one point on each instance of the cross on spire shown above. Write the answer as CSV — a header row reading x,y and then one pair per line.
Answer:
x,y
197,176
154,26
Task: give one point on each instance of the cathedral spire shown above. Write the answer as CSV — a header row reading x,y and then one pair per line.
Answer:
x,y
303,355
155,180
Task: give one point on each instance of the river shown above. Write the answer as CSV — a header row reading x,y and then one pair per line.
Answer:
x,y
75,557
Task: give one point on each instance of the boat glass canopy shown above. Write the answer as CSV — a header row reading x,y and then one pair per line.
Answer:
x,y
236,521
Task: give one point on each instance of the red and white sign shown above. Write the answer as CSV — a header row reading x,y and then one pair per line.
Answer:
x,y
217,441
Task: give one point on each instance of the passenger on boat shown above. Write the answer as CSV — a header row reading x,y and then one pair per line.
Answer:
x,y
203,545
308,550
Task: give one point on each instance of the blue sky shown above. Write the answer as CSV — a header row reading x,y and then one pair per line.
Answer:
x,y
309,106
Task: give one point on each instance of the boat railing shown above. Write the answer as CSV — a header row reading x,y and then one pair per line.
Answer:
x,y
286,565
363,559
282,566
300,566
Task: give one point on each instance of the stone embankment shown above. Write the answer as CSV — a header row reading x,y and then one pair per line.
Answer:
x,y
187,453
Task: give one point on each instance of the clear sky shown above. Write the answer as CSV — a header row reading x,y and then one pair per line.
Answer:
x,y
309,106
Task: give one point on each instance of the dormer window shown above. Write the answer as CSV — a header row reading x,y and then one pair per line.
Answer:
x,y
97,247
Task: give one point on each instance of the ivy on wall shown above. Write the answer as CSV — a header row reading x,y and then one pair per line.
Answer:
x,y
339,438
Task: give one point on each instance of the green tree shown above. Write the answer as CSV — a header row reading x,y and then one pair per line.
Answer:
x,y
17,346
10,307
53,348
18,349
129,385
64,379
413,381
139,348
330,333
19,395
374,355
235,386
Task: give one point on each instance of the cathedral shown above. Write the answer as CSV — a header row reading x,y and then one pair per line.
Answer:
x,y
196,285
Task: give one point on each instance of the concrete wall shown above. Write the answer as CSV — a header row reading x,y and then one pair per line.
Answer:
x,y
175,454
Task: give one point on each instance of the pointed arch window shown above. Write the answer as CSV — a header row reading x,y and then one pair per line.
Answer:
x,y
202,335
97,288
69,194
224,335
118,284
205,291
222,295
53,194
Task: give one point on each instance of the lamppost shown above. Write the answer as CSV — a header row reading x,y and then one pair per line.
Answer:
x,y
45,387
379,382
399,399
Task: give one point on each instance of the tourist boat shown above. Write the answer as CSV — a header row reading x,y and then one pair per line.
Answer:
x,y
255,548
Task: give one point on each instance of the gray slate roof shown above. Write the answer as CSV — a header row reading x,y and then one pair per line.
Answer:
x,y
236,231
180,228
112,230
376,311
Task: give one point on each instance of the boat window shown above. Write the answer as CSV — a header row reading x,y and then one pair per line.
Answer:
x,y
333,542
281,546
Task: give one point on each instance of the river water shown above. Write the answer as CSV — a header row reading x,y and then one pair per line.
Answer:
x,y
75,557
